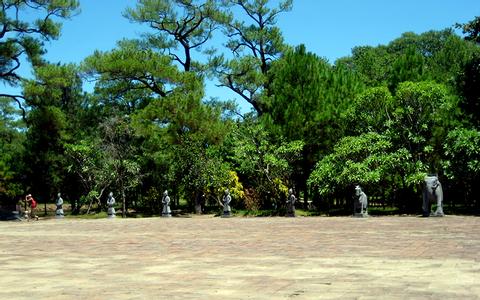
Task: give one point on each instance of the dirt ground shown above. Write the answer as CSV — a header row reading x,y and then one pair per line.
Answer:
x,y
241,258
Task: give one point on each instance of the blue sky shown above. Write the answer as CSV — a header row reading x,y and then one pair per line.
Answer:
x,y
328,28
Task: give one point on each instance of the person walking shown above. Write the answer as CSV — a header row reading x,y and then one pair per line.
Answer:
x,y
32,203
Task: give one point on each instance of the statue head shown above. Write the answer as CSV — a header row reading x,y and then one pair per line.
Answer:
x,y
59,195
431,181
227,191
110,195
165,193
290,191
358,190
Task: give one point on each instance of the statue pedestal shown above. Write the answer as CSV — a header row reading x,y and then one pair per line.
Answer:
x,y
226,214
111,212
59,213
166,215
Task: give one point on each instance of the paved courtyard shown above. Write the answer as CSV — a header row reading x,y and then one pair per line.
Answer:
x,y
242,258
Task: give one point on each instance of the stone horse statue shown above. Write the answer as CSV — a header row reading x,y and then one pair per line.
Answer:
x,y
360,203
432,191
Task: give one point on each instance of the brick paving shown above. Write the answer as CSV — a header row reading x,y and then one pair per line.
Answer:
x,y
242,258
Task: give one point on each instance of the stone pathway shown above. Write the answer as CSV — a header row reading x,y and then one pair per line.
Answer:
x,y
242,258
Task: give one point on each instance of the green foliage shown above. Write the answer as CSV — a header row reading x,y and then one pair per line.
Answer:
x,y
371,63
462,165
462,151
408,66
132,66
12,149
54,96
21,38
421,112
371,111
265,165
433,55
469,89
147,127
370,160
254,40
178,24
308,96
471,29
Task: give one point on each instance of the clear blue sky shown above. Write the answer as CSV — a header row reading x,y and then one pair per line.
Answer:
x,y
329,28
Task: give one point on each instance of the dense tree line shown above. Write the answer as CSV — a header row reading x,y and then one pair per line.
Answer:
x,y
383,117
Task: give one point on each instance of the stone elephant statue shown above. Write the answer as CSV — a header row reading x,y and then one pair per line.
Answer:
x,y
432,192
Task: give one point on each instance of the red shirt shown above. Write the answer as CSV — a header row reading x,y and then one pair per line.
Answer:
x,y
33,203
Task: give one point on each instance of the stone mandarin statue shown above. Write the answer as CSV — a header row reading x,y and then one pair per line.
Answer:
x,y
110,203
227,210
432,192
166,212
291,203
59,211
360,203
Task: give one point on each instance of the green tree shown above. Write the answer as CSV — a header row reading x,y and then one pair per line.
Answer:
x,y
421,116
183,24
395,141
308,98
23,39
462,165
87,161
169,115
371,111
371,160
408,66
263,164
254,41
12,139
371,63
469,90
54,98
471,29
433,55
118,144
133,66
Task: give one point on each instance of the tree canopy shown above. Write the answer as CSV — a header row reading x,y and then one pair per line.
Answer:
x,y
382,117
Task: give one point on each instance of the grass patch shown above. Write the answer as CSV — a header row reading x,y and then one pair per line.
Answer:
x,y
383,211
100,215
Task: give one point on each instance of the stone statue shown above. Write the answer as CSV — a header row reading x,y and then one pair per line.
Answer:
x,y
227,210
432,191
360,203
110,203
291,203
59,210
166,212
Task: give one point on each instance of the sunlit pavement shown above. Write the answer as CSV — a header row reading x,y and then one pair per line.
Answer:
x,y
242,258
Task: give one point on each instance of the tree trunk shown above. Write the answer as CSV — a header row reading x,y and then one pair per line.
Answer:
x,y
198,204
124,206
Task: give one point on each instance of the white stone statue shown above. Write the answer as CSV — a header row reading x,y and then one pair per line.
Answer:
x,y
110,203
166,212
360,203
227,210
59,211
